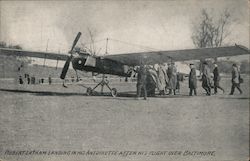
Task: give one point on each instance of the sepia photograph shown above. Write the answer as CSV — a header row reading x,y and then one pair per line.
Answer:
x,y
123,80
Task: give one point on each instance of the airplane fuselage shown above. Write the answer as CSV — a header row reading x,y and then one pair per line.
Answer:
x,y
100,65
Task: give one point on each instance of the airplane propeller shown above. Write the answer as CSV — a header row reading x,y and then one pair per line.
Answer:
x,y
66,65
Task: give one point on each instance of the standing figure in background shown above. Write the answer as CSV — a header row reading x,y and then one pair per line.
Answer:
x,y
42,80
206,79
141,82
192,80
217,79
28,79
20,80
235,79
50,80
33,80
172,75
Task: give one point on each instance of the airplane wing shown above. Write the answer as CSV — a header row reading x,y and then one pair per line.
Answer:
x,y
154,57
35,54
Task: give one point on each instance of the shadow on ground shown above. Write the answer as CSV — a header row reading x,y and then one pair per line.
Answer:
x,y
43,93
241,98
50,93
127,94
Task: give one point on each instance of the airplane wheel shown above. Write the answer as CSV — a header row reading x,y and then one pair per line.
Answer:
x,y
114,92
89,91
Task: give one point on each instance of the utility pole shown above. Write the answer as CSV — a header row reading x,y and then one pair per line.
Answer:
x,y
4,68
41,34
106,52
47,45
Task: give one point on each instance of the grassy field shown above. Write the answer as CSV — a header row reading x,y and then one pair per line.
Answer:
x,y
53,118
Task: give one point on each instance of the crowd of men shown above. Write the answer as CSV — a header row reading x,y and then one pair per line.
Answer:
x,y
162,78
168,79
27,79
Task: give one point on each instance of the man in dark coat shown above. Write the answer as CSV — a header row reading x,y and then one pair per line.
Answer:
x,y
192,80
141,82
152,81
28,79
50,80
217,79
206,80
235,79
20,80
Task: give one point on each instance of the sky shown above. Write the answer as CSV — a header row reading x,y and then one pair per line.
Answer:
x,y
155,25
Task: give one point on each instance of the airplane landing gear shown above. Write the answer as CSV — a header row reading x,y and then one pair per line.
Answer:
x,y
114,92
89,91
103,83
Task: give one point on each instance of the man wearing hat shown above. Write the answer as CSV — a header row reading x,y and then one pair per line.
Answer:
x,y
235,79
217,79
141,82
192,80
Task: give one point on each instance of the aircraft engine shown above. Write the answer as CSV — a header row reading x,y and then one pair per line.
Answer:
x,y
66,65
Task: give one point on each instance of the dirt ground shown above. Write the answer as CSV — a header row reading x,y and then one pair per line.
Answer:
x,y
57,120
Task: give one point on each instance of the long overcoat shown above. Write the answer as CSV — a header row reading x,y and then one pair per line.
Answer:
x,y
216,76
161,78
206,77
192,79
235,75
172,75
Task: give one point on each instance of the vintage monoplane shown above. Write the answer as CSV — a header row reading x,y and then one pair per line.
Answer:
x,y
121,64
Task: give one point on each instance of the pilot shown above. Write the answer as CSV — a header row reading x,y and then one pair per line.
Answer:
x,y
192,80
206,79
235,79
216,79
141,82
